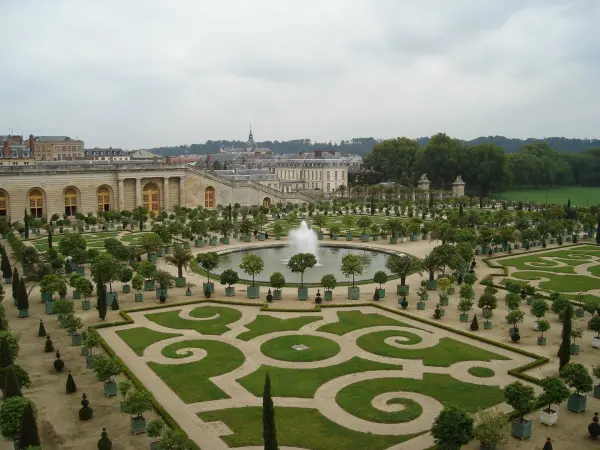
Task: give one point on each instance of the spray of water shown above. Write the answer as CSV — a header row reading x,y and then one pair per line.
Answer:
x,y
303,240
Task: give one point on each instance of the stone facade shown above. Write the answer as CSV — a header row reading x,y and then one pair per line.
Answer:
x,y
458,188
58,188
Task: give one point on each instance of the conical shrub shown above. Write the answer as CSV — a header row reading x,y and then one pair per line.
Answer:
x,y
41,329
71,386
104,443
29,431
12,388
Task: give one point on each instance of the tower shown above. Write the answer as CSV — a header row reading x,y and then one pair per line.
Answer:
x,y
250,145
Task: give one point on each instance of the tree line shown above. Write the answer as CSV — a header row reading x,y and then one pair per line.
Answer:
x,y
484,167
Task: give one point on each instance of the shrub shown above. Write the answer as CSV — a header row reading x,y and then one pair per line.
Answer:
x,y
104,443
452,428
28,433
41,329
48,345
138,402
12,387
492,429
555,392
10,416
520,397
577,377
85,412
71,387
59,364
474,324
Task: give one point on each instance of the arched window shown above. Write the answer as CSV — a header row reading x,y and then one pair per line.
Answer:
x,y
70,202
103,199
151,199
209,197
36,203
3,204
266,202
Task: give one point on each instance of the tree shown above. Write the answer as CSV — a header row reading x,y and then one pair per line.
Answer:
x,y
352,265
229,277
520,397
41,329
252,265
269,430
319,220
138,402
11,413
147,270
104,443
151,243
555,392
140,215
208,261
380,278
70,242
486,167
277,280
452,428
23,297
180,256
101,302
393,158
403,266
577,377
514,317
11,387
106,368
491,429
5,266
348,221
300,262
364,222
564,352
328,282
539,307
432,264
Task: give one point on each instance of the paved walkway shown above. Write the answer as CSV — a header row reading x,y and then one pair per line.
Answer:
x,y
206,435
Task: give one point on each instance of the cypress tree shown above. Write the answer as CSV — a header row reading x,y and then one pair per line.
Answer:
x,y
598,231
15,284
101,289
26,222
12,388
29,431
71,386
269,431
6,359
460,210
23,298
5,266
41,329
564,352
49,237
372,205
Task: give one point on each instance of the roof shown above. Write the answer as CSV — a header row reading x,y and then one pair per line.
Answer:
x,y
55,139
143,154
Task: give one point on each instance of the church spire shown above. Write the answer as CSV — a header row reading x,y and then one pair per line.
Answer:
x,y
251,144
250,137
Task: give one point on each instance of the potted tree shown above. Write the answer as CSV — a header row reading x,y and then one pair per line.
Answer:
x,y
555,392
164,281
443,285
543,326
181,257
73,283
594,325
106,369
229,277
90,342
154,430
278,229
423,295
465,306
539,308
334,232
375,230
452,428
298,263
125,276
138,284
252,265
380,278
403,266
352,265
189,286
491,430
364,222
23,299
579,379
514,317
329,282
49,285
208,261
74,324
432,264
319,220
522,399
596,373
277,281
147,270
151,243
137,403
576,333
124,386
348,222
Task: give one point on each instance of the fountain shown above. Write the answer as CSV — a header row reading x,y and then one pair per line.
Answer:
x,y
303,240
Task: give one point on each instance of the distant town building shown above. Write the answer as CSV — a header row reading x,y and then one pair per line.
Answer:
x,y
56,148
107,154
15,152
251,147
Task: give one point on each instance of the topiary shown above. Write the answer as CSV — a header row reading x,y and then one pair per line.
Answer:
x,y
11,387
404,303
207,292
104,443
437,313
85,412
516,337
115,304
376,295
71,387
48,345
28,433
59,364
269,296
41,329
318,299
474,324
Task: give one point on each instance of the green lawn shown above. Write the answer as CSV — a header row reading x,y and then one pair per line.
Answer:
x,y
265,324
481,372
304,383
445,353
356,398
572,257
579,196
138,339
560,283
191,381
280,348
297,427
356,320
171,319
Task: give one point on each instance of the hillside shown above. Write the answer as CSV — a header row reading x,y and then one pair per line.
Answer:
x,y
363,146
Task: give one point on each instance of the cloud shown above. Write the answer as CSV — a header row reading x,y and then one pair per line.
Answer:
x,y
149,73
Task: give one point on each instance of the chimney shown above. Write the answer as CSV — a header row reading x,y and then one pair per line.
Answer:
x,y
318,153
5,149
32,144
208,160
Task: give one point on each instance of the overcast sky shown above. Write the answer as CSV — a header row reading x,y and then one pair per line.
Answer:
x,y
133,73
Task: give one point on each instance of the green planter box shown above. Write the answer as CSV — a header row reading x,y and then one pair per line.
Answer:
x,y
521,430
381,293
76,340
85,305
349,236
320,235
89,361
138,425
180,282
303,294
328,296
353,293
79,270
126,289
464,317
402,289
49,307
277,294
111,297
225,241
110,389
161,252
414,237
8,280
230,291
364,238
375,238
253,292
424,297
431,284
277,237
199,243
152,258
421,305
149,285
580,312
424,237
213,241
167,249
443,300
541,340
211,287
76,295
84,351
577,403
162,293
451,290
23,313
261,236
46,297
139,298
487,325
597,391
188,292
574,349
393,240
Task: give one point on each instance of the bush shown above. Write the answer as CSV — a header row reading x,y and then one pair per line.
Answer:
x,y
516,337
115,304
452,428
492,429
577,377
85,412
28,433
474,324
41,329
71,387
520,397
10,416
104,443
48,345
59,364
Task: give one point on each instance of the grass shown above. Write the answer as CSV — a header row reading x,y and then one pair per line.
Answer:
x,y
481,372
265,324
280,348
138,339
579,196
560,283
359,404
356,320
573,257
190,381
444,354
356,398
217,326
304,383
297,427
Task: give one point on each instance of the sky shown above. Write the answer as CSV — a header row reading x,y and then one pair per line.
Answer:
x,y
149,73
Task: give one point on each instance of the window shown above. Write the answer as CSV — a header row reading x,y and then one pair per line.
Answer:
x,y
150,198
335,175
328,176
36,202
70,202
328,186
209,197
103,199
3,204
